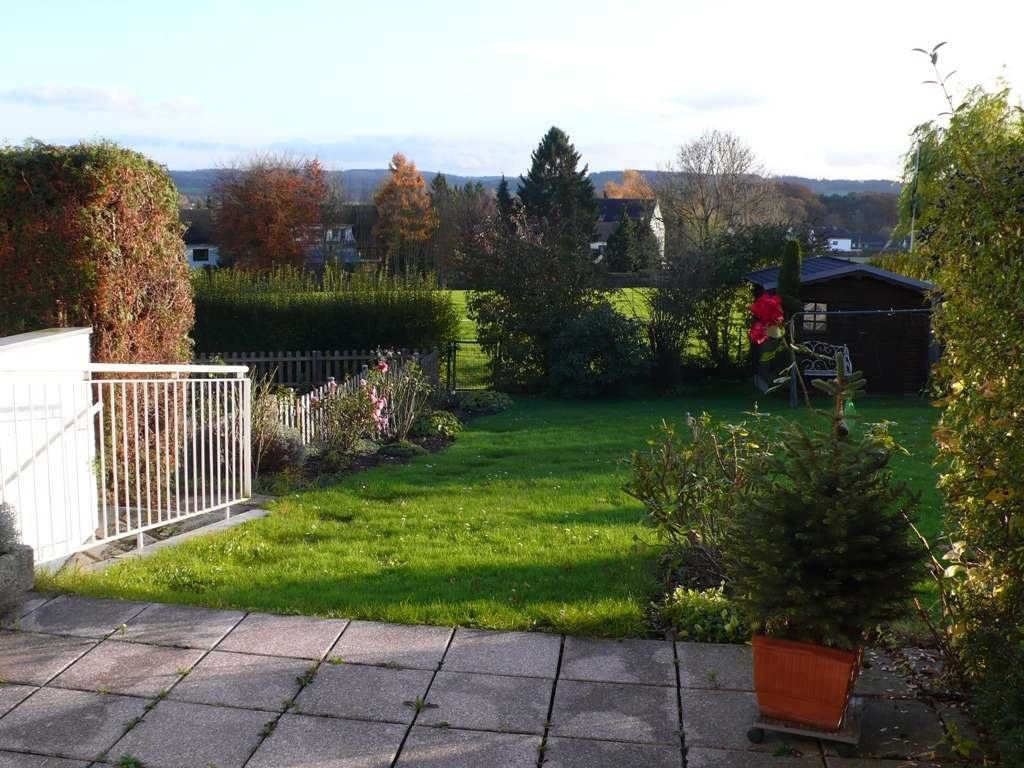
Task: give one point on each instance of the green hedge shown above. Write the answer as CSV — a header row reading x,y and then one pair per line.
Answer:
x,y
288,310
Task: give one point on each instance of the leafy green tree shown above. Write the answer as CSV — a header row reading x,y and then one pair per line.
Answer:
x,y
789,278
539,273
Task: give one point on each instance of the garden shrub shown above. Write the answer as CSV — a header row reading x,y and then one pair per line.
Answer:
x,y
345,419
407,395
274,447
969,200
401,449
283,450
690,489
705,616
481,401
437,424
238,311
597,353
90,236
9,534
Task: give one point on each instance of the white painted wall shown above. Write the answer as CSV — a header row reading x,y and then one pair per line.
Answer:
x,y
211,262
844,244
47,444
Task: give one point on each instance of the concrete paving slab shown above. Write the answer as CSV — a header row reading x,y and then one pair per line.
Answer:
x,y
12,695
715,666
181,735
323,742
585,753
859,762
615,712
371,642
488,702
65,723
527,654
721,719
242,680
21,760
618,661
10,617
300,637
128,668
900,729
34,659
881,676
720,758
80,616
451,748
181,626
364,693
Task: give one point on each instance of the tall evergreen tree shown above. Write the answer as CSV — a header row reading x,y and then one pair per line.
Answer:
x,y
555,188
789,278
504,203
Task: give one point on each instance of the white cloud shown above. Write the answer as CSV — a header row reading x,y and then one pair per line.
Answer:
x,y
88,98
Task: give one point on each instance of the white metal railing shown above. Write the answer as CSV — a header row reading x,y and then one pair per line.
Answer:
x,y
107,451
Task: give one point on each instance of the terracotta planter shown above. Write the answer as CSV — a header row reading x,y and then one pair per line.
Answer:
x,y
804,683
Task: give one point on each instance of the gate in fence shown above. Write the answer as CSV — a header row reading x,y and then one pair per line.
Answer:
x,y
467,366
94,452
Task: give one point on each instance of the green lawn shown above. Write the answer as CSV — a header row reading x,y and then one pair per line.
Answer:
x,y
521,524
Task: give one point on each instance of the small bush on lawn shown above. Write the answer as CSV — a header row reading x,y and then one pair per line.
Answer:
x,y
690,488
437,424
481,401
403,449
406,394
244,312
705,616
597,353
274,447
345,419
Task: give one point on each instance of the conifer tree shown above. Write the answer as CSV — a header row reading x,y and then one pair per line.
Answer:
x,y
789,278
555,189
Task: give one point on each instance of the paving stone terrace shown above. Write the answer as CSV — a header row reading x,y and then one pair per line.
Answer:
x,y
86,682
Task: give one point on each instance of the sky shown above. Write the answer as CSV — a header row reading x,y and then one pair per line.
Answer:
x,y
818,89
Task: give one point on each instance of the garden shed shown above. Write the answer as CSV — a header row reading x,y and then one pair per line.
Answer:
x,y
881,317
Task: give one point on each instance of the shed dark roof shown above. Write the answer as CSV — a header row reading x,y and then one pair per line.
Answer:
x,y
199,226
822,268
610,209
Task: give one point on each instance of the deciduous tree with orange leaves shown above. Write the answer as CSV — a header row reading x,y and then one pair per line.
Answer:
x,y
268,213
633,186
405,217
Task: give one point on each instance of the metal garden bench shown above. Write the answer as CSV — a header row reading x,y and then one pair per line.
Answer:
x,y
825,366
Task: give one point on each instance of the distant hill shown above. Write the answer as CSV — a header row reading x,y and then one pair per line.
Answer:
x,y
360,184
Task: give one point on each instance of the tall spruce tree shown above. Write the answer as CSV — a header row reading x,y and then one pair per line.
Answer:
x,y
504,203
556,189
789,278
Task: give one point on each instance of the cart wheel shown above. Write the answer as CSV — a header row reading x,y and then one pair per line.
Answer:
x,y
846,750
755,735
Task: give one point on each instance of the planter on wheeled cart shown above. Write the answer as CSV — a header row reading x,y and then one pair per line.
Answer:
x,y
804,683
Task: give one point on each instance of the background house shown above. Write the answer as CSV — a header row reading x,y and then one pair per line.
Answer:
x,y
894,350
609,217
199,248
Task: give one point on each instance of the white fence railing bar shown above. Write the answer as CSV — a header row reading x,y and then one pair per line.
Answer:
x,y
96,454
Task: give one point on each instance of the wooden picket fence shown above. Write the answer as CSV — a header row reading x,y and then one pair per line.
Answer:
x,y
301,413
309,369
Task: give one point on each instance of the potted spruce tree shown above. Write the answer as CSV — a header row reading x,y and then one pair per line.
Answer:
x,y
16,563
820,552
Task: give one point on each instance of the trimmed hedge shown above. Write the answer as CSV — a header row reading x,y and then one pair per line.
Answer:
x,y
90,235
289,310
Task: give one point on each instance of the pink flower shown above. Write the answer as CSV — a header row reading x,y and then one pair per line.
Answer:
x,y
382,366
